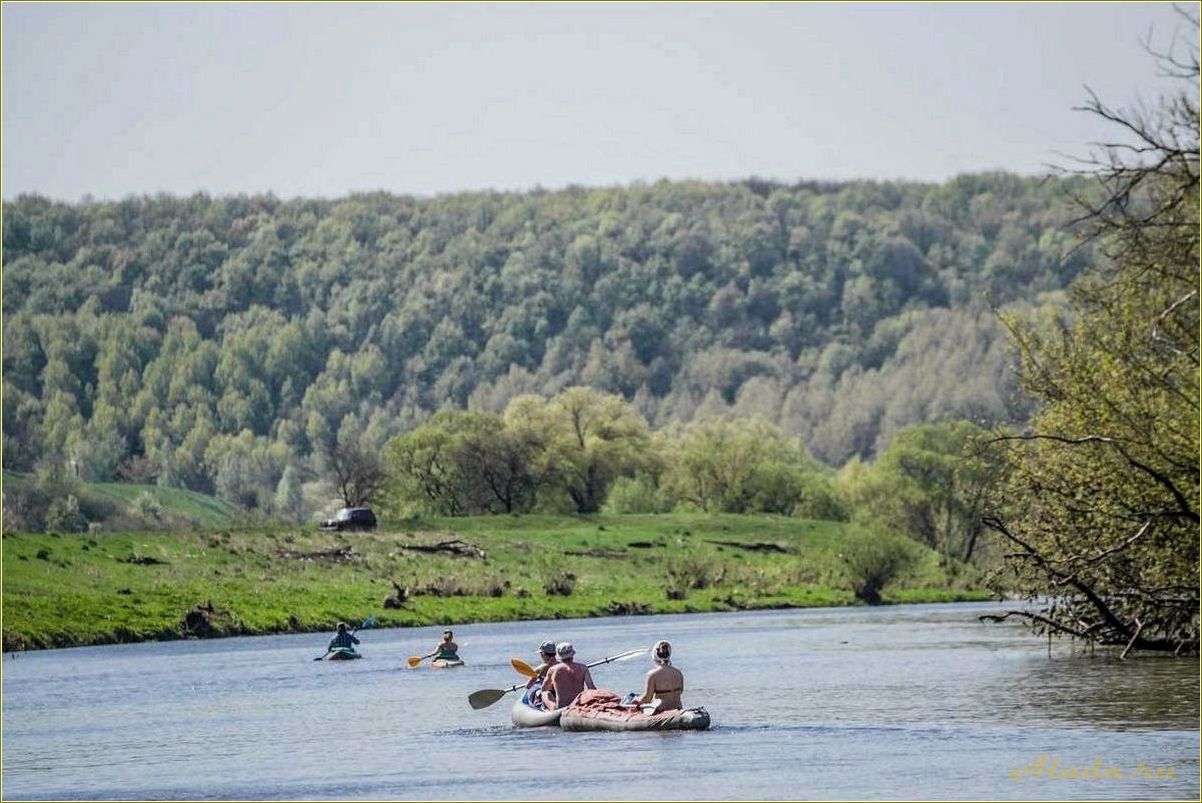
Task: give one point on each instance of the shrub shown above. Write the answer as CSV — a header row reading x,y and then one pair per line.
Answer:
x,y
63,516
24,508
561,585
95,507
821,500
635,495
775,488
873,560
689,573
146,506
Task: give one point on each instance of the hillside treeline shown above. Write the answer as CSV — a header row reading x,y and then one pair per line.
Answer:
x,y
213,343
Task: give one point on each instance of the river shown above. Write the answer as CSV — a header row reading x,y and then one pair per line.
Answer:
x,y
916,701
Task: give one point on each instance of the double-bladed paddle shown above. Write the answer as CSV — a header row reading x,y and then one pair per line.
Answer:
x,y
486,697
367,623
414,660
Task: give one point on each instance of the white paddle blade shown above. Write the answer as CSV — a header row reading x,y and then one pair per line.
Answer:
x,y
484,698
626,656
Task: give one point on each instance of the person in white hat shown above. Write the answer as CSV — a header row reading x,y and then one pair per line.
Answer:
x,y
566,679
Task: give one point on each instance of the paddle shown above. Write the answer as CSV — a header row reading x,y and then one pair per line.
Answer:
x,y
523,668
367,624
417,659
414,660
486,697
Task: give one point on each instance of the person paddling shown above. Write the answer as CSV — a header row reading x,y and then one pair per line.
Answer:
x,y
448,650
664,682
343,639
546,652
566,679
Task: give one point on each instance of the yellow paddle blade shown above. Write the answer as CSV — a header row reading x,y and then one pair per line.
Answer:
x,y
414,661
523,668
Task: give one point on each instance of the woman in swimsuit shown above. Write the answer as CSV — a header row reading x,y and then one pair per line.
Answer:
x,y
448,650
664,682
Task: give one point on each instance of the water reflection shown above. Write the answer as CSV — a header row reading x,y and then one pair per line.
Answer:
x,y
1142,691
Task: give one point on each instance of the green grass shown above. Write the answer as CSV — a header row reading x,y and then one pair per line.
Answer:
x,y
208,510
69,590
177,503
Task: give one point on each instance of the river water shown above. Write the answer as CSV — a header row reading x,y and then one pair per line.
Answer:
x,y
918,701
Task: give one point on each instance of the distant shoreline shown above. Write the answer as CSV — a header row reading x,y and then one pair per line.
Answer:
x,y
916,598
80,590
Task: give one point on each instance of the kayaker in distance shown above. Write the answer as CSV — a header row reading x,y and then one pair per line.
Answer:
x,y
546,651
448,650
566,679
343,639
664,682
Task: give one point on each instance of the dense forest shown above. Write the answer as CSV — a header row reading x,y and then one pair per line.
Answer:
x,y
217,343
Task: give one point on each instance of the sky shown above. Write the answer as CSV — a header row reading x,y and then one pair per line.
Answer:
x,y
321,100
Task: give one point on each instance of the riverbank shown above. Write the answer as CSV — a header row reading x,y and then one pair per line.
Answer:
x,y
71,590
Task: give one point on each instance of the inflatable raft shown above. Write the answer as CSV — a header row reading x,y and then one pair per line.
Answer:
x,y
600,710
525,715
342,654
443,663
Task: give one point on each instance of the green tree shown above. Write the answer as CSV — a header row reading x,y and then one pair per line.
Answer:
x,y
1099,509
357,473
932,484
588,439
873,560
424,473
738,466
289,502
98,448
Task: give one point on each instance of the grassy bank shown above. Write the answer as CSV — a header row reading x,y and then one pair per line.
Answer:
x,y
180,505
68,590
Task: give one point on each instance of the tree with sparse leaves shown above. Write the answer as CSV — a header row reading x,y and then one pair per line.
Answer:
x,y
1099,508
357,473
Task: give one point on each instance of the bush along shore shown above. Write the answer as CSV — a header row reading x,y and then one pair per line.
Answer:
x,y
69,590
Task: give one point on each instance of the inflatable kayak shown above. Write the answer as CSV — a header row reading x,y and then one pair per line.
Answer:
x,y
342,654
444,663
600,710
525,715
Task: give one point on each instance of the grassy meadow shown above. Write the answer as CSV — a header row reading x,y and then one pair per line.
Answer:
x,y
181,505
62,590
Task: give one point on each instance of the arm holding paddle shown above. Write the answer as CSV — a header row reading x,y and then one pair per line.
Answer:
x,y
334,641
447,650
417,659
367,623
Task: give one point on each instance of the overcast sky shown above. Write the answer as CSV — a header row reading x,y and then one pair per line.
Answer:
x,y
322,100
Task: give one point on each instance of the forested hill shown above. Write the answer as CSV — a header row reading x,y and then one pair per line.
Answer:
x,y
162,337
